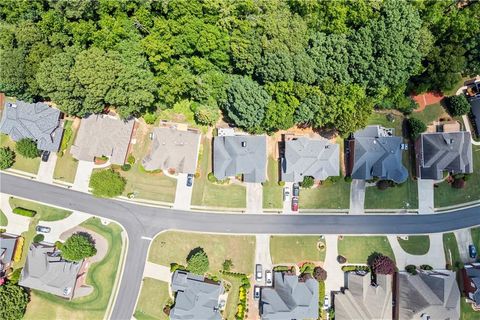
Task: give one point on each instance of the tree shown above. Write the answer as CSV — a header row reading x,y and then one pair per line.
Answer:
x,y
415,127
320,274
227,265
206,115
78,247
458,105
307,182
383,265
7,158
107,183
27,148
13,301
197,261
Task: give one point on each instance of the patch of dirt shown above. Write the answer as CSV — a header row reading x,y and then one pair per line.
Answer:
x,y
425,99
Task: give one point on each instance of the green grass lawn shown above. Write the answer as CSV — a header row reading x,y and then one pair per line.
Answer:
x,y
475,232
272,192
380,118
445,195
450,246
171,246
329,195
466,311
432,112
153,297
101,276
416,245
357,249
206,193
295,249
44,213
66,166
233,296
3,219
21,163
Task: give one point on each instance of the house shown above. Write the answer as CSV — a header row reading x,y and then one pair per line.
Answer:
x,y
103,135
429,295
443,151
471,284
289,298
36,121
376,152
475,104
45,270
303,157
8,245
363,299
173,149
195,297
240,154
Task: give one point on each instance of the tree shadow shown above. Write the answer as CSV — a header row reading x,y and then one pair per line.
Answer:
x,y
372,257
194,252
87,236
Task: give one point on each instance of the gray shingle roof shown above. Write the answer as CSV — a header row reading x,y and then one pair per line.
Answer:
x,y
307,157
433,293
230,157
473,273
7,248
475,103
103,135
45,270
196,297
289,298
445,151
36,121
172,148
376,155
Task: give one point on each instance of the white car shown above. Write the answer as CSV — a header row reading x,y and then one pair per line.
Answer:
x,y
268,277
326,303
286,194
256,293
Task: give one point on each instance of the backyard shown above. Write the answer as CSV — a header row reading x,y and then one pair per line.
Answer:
x,y
416,245
21,163
382,119
66,166
206,193
357,249
296,249
450,246
432,112
153,297
272,192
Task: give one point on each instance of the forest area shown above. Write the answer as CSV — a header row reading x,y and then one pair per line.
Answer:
x,y
266,64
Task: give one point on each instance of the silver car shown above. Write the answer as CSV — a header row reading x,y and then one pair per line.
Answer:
x,y
258,272
268,277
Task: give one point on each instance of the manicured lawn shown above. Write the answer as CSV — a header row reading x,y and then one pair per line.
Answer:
x,y
206,193
21,163
357,249
66,166
153,297
174,247
450,247
44,213
101,276
272,192
3,219
380,118
329,195
417,245
432,112
466,311
233,297
295,249
476,236
445,195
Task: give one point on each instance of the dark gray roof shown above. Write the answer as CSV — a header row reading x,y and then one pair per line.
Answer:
x,y
307,157
36,121
7,248
45,270
378,155
475,103
473,273
240,154
289,298
433,293
445,151
196,297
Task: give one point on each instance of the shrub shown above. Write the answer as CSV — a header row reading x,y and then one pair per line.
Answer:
x,y
197,261
67,137
58,245
131,159
355,268
38,238
307,267
458,184
383,265
426,267
411,269
227,265
150,118
341,259
348,179
197,175
3,230
459,265
385,184
415,127
458,105
334,179
24,212
282,269
206,115
107,183
7,158
211,177
307,182
78,247
281,183
17,256
320,274
126,167
27,148
175,266
15,275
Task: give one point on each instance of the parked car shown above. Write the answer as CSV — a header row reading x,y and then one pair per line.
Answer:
x,y
472,251
286,194
258,272
268,277
295,204
256,293
296,190
189,180
45,155
43,229
326,302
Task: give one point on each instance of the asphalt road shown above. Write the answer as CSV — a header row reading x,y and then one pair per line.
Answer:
x,y
144,222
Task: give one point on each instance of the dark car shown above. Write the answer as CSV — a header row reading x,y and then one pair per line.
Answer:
x,y
43,229
45,156
189,180
296,190
472,251
295,204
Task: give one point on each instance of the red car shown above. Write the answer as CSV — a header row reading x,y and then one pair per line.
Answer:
x,y
295,204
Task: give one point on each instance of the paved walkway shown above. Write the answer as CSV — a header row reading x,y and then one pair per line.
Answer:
x,y
61,226
82,177
425,196
468,128
254,197
464,239
16,223
335,276
435,256
46,169
262,254
183,193
357,197
156,271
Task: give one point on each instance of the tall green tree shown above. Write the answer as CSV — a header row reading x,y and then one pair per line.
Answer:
x,y
13,301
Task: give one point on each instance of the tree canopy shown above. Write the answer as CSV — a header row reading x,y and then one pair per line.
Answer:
x,y
13,301
107,183
78,247
197,261
27,148
7,158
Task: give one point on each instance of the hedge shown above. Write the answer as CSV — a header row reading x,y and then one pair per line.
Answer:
x,y
355,268
17,256
24,212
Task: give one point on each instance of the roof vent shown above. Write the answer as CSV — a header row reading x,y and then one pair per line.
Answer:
x,y
327,146
244,144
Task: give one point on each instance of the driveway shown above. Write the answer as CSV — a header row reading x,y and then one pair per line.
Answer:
x,y
82,177
61,226
262,254
335,276
46,169
357,197
254,197
464,239
156,271
16,223
183,194
425,196
287,204
435,256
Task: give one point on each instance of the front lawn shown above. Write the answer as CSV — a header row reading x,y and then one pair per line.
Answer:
x,y
153,297
44,213
329,195
357,249
209,194
66,166
21,163
296,249
466,311
101,276
3,219
272,192
450,246
416,245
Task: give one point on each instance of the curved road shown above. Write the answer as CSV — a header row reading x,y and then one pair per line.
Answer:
x,y
143,222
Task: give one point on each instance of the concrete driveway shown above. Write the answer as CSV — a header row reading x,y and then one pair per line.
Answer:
x,y
46,169
435,256
287,204
335,276
61,226
156,271
82,177
262,254
425,196
357,197
254,197
464,239
183,194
